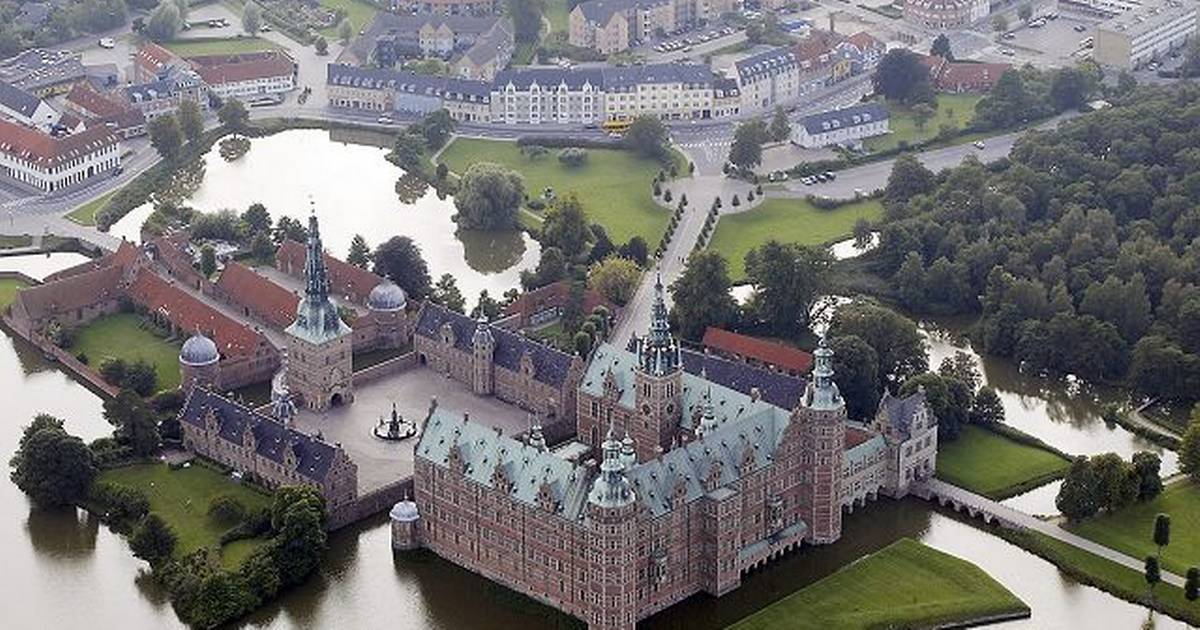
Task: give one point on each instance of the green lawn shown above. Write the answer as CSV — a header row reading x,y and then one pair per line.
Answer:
x,y
956,110
1130,530
181,498
358,12
13,242
614,186
123,336
787,221
86,214
8,291
994,465
559,15
220,46
906,584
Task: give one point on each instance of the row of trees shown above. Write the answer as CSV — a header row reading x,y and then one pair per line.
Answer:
x,y
1108,483
169,132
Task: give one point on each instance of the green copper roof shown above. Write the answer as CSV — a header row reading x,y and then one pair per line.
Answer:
x,y
317,318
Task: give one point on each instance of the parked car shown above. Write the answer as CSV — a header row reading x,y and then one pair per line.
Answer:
x,y
979,144
1008,52
384,120
830,175
1079,28
108,42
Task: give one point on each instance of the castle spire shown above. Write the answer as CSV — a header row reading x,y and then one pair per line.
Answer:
x,y
658,353
822,392
316,278
317,318
611,489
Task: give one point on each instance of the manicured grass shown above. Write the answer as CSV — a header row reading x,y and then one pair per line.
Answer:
x,y
359,13
614,186
86,214
994,465
558,13
124,336
1131,530
13,242
181,498
906,584
1106,575
220,46
8,291
956,110
787,221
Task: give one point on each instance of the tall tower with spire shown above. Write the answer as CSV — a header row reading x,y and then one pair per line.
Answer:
x,y
611,539
659,382
821,420
319,342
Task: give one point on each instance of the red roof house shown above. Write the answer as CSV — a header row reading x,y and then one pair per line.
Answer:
x,y
759,352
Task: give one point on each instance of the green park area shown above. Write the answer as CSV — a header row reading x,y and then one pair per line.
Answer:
x,y
1130,529
787,221
614,186
904,585
358,12
220,46
8,291
558,13
86,213
956,110
181,498
126,336
995,465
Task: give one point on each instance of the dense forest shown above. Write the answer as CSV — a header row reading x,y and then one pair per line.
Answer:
x,y
1080,253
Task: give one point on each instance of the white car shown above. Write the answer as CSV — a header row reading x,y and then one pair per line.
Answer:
x,y
108,42
385,120
979,144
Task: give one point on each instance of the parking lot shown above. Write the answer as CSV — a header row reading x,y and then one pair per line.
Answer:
x,y
1057,43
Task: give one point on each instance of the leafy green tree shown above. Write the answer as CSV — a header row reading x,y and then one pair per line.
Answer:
x,y
486,307
701,296
208,260
987,408
527,18
488,197
551,268
922,114
615,278
856,372
233,115
565,226
1153,574
360,252
583,343
1069,89
152,540
51,466
165,136
790,278
164,22
447,294
298,518
1191,587
908,179
648,137
226,508
1078,496
399,259
941,48
781,128
191,121
948,398
894,338
748,138
1146,465
252,18
1025,11
136,425
321,45
256,219
1162,532
345,31
602,247
635,249
287,228
436,128
1189,447
1118,484
902,77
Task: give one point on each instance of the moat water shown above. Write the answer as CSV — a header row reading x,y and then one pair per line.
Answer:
x,y
63,569
354,191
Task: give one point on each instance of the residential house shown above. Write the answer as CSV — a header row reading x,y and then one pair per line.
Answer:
x,y
49,163
842,126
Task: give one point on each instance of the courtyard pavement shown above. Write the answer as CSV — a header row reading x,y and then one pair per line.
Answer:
x,y
381,462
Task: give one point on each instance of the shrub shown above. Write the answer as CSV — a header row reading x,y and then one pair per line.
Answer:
x,y
736,202
535,204
82,357
572,157
226,508
123,506
667,196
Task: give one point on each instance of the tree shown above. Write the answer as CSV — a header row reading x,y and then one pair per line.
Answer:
x,y
408,151
1117,483
948,400
987,408
550,269
781,128
152,540
345,31
1191,587
583,343
298,518
999,23
164,22
360,252
602,247
701,296
51,466
922,113
902,77
486,307
941,48
399,259
895,338
226,508
565,227
856,372
1068,89
1162,532
790,278
436,128
208,260
615,278
256,219
321,45
1153,574
488,197
534,151
166,136
191,121
446,293
573,157
527,19
635,249
290,229
233,114
748,138
1147,466
1025,11
908,179
1189,447
1077,497
136,425
252,18
648,137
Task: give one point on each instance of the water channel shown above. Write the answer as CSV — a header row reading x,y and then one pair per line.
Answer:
x,y
64,569
354,191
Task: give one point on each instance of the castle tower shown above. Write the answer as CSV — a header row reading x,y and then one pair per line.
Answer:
x,y
612,540
659,384
387,303
199,363
283,408
822,423
319,343
406,523
708,417
536,439
483,345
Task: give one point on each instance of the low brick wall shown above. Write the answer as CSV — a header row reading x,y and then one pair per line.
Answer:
x,y
395,365
372,503
64,358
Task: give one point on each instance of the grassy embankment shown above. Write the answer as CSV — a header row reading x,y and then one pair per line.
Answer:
x,y
996,466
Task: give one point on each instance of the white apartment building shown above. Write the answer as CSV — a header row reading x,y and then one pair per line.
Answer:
x,y
842,126
669,91
1136,37
246,76
768,79
548,95
50,163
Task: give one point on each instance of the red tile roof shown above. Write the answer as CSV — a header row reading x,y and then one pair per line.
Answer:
x,y
46,150
188,313
864,41
154,58
855,436
71,292
344,279
556,295
268,300
85,97
817,44
976,76
778,355
221,69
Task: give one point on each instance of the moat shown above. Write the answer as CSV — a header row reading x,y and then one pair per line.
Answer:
x,y
67,570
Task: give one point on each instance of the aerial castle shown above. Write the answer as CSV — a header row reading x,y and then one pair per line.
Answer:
x,y
700,477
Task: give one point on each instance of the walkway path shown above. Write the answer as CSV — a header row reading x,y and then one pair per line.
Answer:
x,y
936,487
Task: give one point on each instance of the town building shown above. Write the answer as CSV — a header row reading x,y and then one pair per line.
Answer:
x,y
389,91
842,126
945,14
963,76
319,343
449,7
1151,32
768,79
43,72
545,305
727,97
246,75
493,361
98,108
477,46
611,26
21,106
671,91
697,484
268,451
487,56
152,62
761,353
554,95
53,162
163,95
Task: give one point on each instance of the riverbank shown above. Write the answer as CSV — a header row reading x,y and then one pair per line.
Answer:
x,y
1129,529
999,462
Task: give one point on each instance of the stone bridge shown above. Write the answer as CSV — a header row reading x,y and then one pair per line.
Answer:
x,y
977,506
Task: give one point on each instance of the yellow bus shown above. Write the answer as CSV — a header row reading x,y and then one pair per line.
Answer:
x,y
616,126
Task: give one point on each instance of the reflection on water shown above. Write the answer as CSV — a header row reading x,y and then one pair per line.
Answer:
x,y
38,266
354,191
